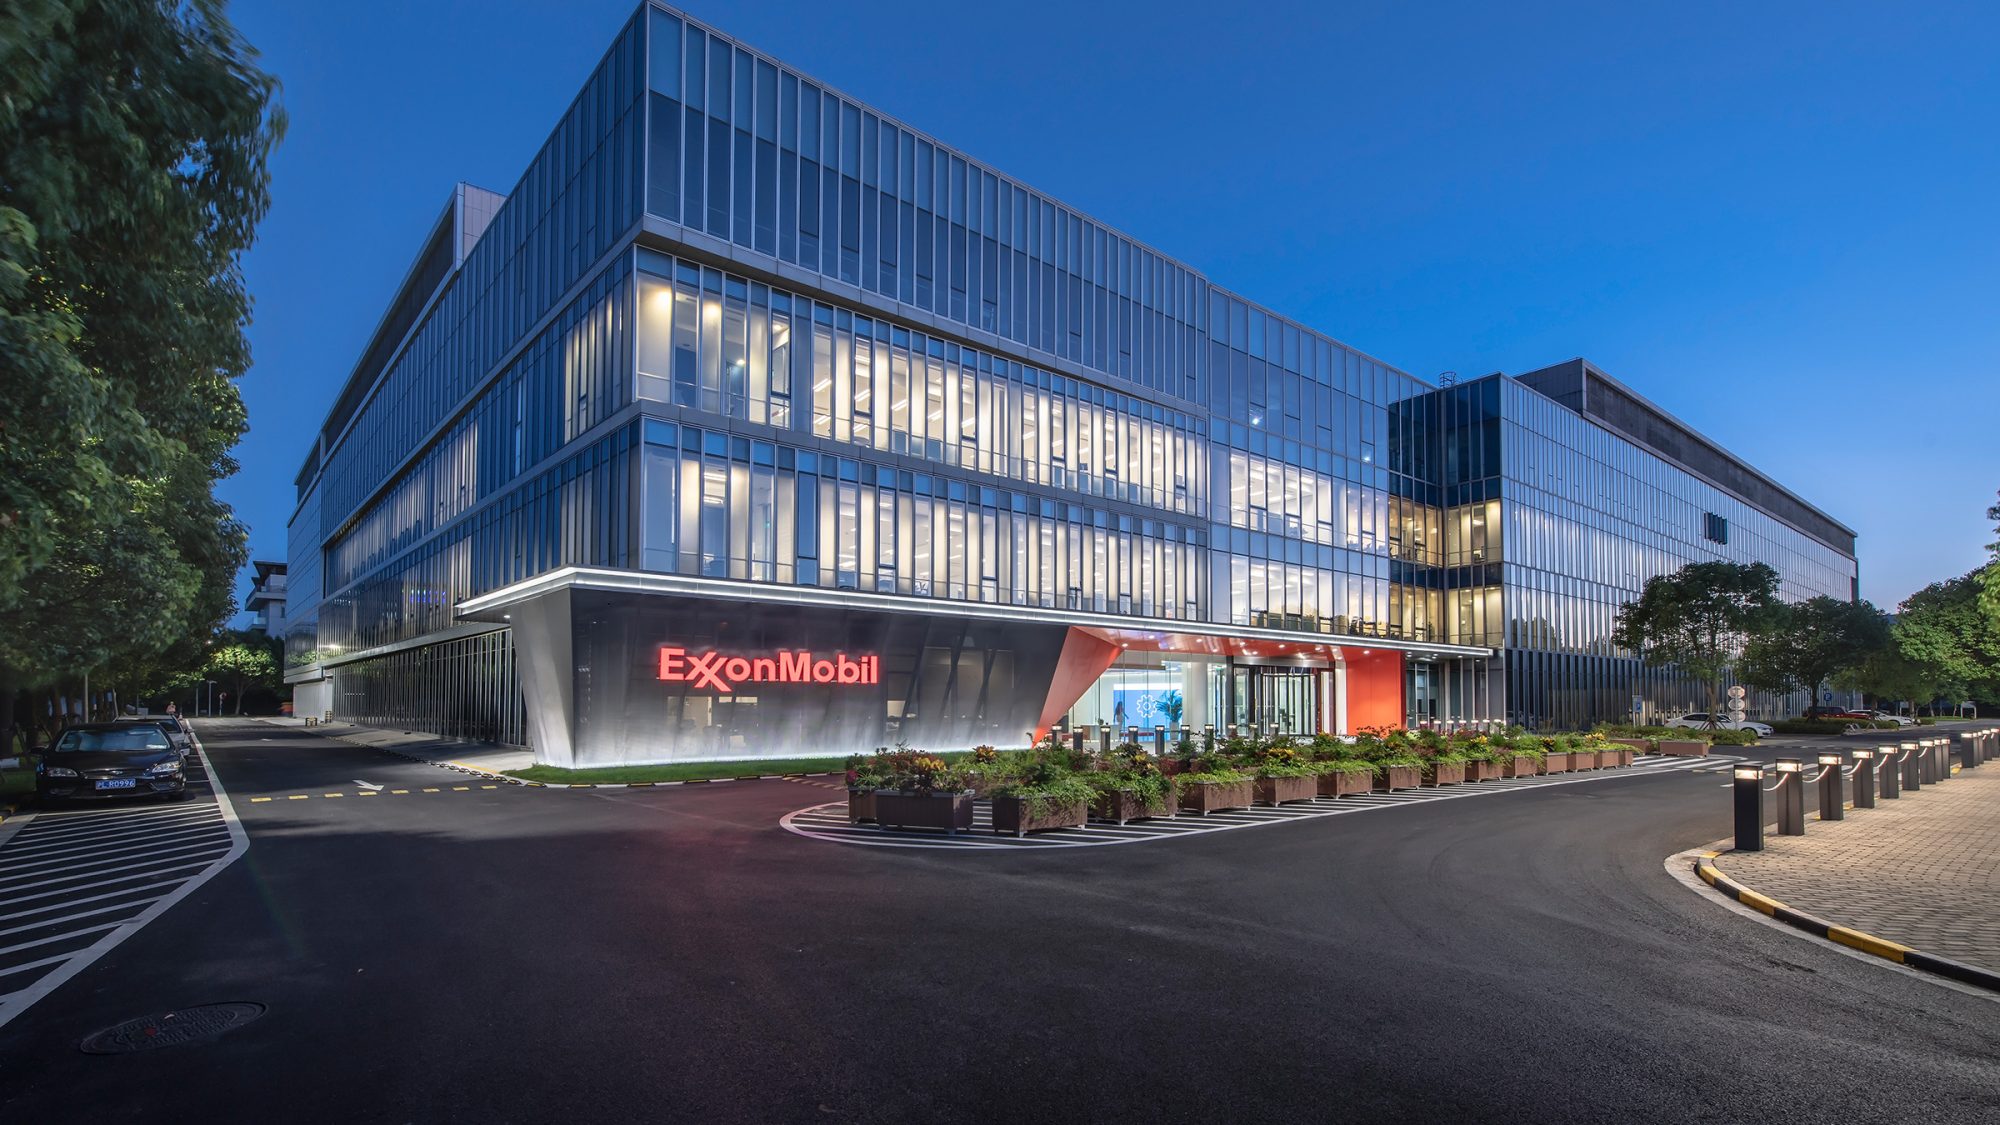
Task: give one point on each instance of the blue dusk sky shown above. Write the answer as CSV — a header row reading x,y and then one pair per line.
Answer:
x,y
1775,221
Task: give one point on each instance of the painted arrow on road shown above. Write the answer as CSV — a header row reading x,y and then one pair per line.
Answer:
x,y
366,785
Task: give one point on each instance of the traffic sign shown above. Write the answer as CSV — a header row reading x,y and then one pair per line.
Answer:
x,y
1736,691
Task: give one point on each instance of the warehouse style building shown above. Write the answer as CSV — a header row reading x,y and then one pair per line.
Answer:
x,y
754,422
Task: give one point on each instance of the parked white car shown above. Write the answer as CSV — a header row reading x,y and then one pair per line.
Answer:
x,y
1899,720
1699,720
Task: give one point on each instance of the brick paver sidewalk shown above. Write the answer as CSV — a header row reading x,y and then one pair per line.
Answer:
x,y
1923,870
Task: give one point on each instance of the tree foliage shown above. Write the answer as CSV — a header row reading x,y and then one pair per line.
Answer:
x,y
134,136
1989,575
1807,645
1699,618
1943,630
245,663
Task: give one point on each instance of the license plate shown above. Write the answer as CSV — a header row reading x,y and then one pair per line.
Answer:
x,y
119,783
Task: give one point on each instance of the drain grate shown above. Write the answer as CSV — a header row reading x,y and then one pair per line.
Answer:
x,y
186,1025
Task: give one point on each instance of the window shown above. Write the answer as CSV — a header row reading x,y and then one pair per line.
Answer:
x,y
1716,528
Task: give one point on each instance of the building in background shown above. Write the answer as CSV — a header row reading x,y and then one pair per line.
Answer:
x,y
754,421
1562,491
266,601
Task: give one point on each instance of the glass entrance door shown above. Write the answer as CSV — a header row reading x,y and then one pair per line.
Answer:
x,y
1286,698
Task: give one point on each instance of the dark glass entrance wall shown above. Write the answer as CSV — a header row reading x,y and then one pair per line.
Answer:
x,y
941,682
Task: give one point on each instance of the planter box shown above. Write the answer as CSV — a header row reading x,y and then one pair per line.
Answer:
x,y
860,805
1400,777
1622,757
1278,790
1010,814
1687,749
1641,745
1556,762
1346,782
1121,806
950,811
1520,765
1482,771
1444,773
1204,797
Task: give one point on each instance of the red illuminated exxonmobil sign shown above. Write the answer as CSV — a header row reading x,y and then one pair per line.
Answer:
x,y
721,672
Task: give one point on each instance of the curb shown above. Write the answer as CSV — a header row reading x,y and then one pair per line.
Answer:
x,y
1704,866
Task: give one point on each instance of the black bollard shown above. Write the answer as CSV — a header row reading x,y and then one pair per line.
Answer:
x,y
1791,797
1076,740
1749,808
1889,773
1832,794
1160,741
1864,779
1104,740
1208,738
1912,767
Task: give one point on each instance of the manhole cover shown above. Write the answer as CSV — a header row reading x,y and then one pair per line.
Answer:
x,y
187,1025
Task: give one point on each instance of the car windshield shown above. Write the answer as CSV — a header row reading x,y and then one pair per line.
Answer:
x,y
134,739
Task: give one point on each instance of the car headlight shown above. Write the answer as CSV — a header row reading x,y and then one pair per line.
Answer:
x,y
168,767
58,771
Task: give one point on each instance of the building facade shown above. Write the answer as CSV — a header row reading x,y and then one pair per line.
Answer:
x,y
755,422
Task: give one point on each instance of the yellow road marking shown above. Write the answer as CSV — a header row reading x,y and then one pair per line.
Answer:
x,y
489,787
300,797
460,788
430,790
258,800
399,790
367,792
333,794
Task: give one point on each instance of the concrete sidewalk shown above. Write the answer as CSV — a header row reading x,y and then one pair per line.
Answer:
x,y
1923,870
483,757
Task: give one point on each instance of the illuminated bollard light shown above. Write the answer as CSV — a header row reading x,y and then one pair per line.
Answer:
x,y
1888,772
1104,740
1912,772
1208,738
1927,772
1076,740
1968,752
1864,779
1160,740
1791,797
1749,807
1832,794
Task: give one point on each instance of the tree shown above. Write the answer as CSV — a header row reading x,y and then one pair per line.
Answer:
x,y
240,667
134,136
1942,629
1699,618
1989,576
1889,674
1808,644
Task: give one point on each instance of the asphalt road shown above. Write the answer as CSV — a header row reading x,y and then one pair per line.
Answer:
x,y
517,955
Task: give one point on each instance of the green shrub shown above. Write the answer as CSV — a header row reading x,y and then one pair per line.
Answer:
x,y
1822,726
1730,737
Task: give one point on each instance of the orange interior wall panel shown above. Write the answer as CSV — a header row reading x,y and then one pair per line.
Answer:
x,y
1374,689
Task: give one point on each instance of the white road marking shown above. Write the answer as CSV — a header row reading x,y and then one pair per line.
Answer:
x,y
366,784
14,1003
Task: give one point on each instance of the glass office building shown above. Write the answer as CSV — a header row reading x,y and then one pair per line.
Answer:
x,y
753,421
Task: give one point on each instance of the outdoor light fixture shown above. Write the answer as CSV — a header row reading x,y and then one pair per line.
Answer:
x,y
1829,759
1864,755
1749,773
1789,767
